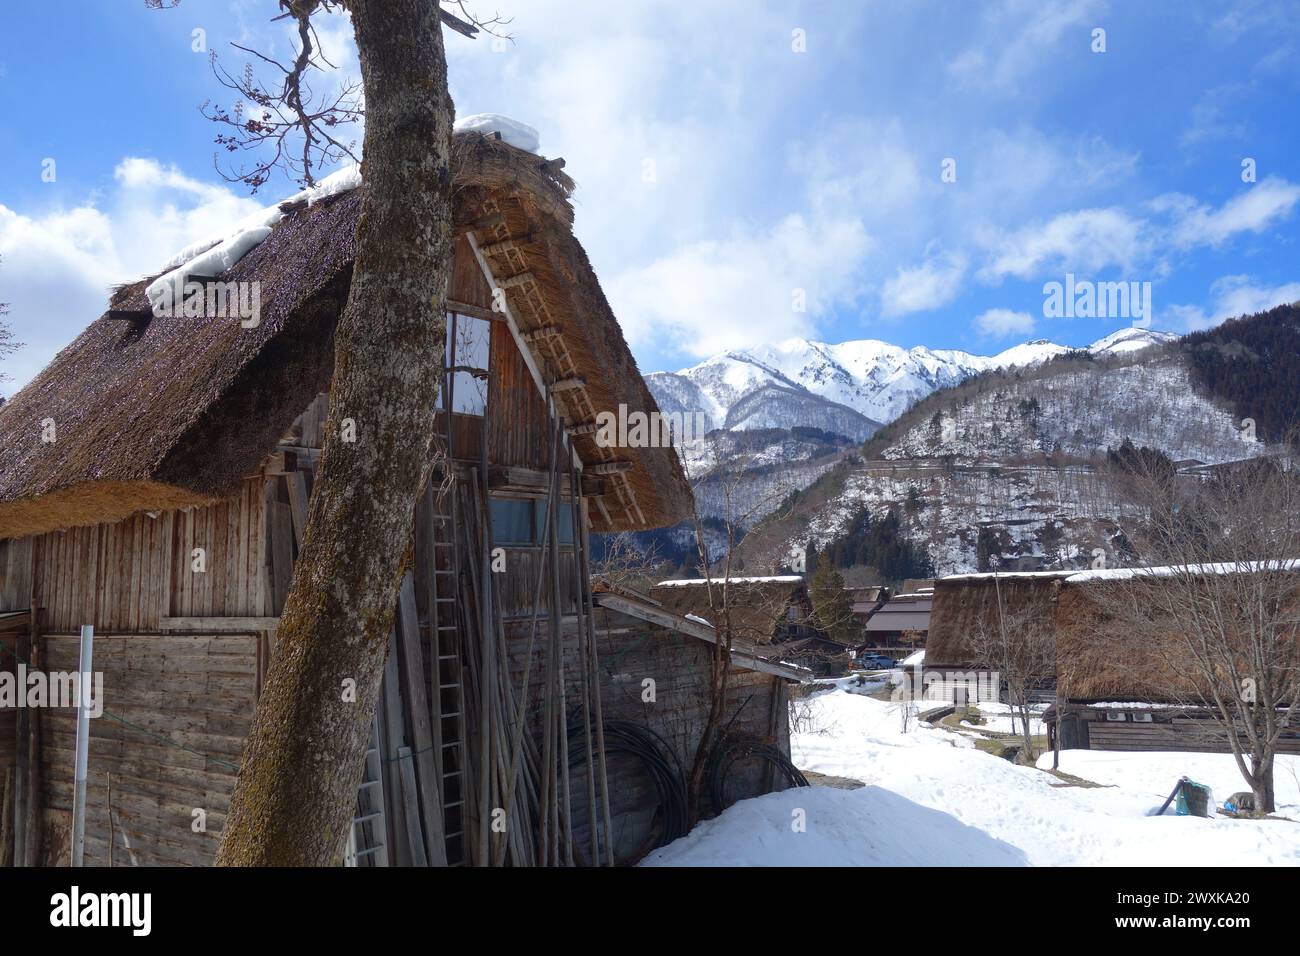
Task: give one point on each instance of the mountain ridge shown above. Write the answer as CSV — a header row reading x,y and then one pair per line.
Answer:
x,y
851,388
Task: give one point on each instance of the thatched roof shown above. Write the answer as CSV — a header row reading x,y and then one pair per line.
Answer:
x,y
1117,641
965,603
757,606
1109,637
159,414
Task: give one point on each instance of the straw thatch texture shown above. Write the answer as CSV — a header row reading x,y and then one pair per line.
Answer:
x,y
965,605
759,609
157,414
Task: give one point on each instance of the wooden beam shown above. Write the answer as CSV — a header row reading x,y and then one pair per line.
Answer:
x,y
394,734
744,657
409,804
487,222
219,625
568,384
545,333
610,467
509,282
529,480
473,311
297,483
506,245
525,352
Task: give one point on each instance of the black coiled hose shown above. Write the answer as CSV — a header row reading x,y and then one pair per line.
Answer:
x,y
738,747
637,740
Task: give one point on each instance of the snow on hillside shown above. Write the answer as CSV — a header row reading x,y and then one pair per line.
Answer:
x,y
877,380
931,799
1079,411
980,461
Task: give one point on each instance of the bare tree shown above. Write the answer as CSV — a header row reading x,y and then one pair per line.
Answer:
x,y
8,344
624,565
1211,617
1019,644
735,611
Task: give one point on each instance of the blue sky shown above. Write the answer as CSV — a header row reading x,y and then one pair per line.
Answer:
x,y
725,174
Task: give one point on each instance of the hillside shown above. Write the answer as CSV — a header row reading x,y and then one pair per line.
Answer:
x,y
1007,465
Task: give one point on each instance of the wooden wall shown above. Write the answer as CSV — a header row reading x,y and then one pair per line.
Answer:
x,y
629,651
177,711
1165,732
15,574
123,577
517,423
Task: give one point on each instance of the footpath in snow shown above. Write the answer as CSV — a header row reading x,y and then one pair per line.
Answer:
x,y
932,799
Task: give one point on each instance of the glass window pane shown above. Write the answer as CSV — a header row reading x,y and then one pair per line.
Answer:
x,y
566,522
471,348
512,521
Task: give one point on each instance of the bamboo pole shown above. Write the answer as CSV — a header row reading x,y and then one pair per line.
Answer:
x,y
600,720
85,682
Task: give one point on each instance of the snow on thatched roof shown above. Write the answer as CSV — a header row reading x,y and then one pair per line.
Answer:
x,y
153,414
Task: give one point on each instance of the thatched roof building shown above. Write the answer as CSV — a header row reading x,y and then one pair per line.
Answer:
x,y
151,413
762,610
965,603
152,440
1102,635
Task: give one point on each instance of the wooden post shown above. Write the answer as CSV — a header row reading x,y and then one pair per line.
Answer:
x,y
412,671
23,761
85,682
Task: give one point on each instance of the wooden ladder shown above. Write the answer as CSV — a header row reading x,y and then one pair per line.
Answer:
x,y
448,692
367,840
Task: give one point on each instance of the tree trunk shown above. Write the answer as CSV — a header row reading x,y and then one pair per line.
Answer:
x,y
1261,784
297,787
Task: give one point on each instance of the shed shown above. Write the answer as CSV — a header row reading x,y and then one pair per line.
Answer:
x,y
179,438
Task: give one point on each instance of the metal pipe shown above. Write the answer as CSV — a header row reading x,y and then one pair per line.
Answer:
x,y
84,683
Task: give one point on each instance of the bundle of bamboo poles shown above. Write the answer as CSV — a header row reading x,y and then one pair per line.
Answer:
x,y
518,794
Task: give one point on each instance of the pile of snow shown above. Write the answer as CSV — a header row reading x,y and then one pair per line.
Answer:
x,y
932,799
216,254
517,134
914,659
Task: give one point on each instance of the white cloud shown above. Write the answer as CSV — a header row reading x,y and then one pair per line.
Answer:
x,y
1254,210
1230,297
1003,322
744,290
1018,37
57,267
1090,240
1087,240
934,283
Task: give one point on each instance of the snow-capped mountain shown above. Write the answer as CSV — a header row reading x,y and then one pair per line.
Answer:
x,y
850,388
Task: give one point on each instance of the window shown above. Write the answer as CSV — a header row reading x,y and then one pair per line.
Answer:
x,y
565,518
1118,716
512,521
470,348
523,521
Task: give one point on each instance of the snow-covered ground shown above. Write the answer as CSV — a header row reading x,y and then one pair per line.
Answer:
x,y
932,799
1001,718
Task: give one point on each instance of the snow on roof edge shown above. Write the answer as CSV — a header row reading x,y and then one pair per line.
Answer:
x,y
773,579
